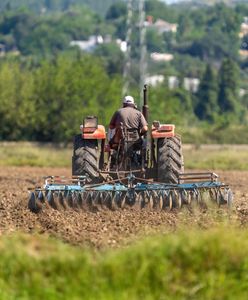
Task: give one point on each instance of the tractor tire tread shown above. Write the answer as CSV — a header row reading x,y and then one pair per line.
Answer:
x,y
169,159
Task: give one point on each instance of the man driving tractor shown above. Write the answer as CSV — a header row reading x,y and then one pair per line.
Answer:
x,y
126,118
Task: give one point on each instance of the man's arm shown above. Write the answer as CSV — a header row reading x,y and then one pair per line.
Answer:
x,y
112,123
143,125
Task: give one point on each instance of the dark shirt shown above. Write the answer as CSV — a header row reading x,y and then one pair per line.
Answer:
x,y
130,117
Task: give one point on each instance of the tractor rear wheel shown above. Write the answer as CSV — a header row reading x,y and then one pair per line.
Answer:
x,y
85,160
169,159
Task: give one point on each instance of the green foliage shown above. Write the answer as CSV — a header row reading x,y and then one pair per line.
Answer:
x,y
212,31
207,107
45,36
53,98
187,265
229,84
17,108
54,85
159,10
170,106
112,57
55,5
64,93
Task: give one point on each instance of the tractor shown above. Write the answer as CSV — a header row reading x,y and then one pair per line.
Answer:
x,y
156,156
143,171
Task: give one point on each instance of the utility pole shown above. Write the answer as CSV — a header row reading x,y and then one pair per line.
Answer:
x,y
142,41
127,63
142,47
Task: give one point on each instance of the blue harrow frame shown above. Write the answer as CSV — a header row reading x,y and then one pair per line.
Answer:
x,y
192,188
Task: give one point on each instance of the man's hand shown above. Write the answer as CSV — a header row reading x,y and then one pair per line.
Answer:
x,y
143,130
111,133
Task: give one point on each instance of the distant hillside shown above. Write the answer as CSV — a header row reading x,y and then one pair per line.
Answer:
x,y
56,5
204,2
182,3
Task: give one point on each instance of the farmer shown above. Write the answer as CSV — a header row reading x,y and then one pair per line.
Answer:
x,y
129,118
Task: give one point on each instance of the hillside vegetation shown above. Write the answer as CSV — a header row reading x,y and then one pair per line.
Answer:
x,y
54,85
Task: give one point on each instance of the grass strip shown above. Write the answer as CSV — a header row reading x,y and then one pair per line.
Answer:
x,y
198,157
191,264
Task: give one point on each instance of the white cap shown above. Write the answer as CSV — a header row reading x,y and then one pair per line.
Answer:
x,y
128,100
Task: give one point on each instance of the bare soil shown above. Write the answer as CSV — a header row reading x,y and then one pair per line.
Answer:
x,y
105,228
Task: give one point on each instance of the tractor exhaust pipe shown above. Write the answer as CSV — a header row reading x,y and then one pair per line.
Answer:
x,y
145,108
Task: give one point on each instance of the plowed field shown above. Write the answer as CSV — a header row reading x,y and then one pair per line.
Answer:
x,y
104,228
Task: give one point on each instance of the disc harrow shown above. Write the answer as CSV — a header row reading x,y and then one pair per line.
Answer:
x,y
193,189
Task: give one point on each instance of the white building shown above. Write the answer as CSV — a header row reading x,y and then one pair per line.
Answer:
x,y
122,45
88,45
244,28
160,57
162,26
154,80
191,84
173,82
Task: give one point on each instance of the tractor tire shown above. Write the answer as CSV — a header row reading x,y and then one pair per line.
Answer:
x,y
169,159
85,160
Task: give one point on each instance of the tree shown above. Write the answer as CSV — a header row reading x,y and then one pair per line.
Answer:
x,y
228,97
116,11
207,107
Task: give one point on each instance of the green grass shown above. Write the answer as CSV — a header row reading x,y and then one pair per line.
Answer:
x,y
217,158
34,154
196,157
205,265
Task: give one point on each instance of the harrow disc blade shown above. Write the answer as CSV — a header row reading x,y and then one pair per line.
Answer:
x,y
69,200
138,201
113,202
151,201
79,200
96,200
75,200
123,199
163,200
179,200
229,198
183,197
50,199
83,205
34,205
87,202
62,201
41,197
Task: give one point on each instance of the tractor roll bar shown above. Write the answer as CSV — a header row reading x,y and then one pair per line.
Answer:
x,y
145,108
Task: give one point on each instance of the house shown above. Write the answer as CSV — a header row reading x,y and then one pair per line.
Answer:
x,y
159,57
154,80
122,45
173,82
88,45
191,84
243,92
243,53
244,28
162,26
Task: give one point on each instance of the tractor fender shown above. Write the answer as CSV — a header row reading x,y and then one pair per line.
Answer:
x,y
97,134
163,131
